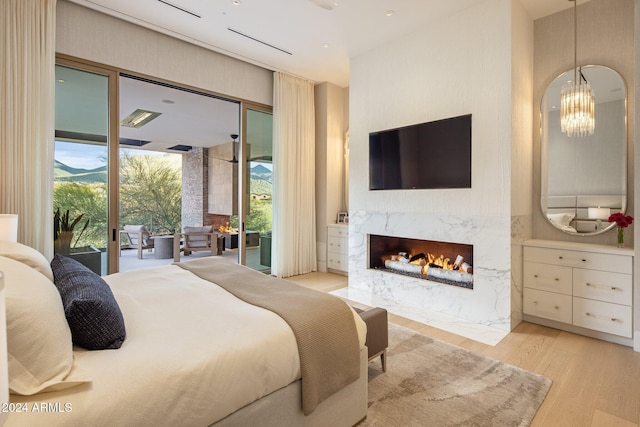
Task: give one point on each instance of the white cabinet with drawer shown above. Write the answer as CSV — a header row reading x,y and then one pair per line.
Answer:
x,y
338,247
579,287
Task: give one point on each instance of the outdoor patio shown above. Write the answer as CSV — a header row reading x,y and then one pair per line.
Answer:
x,y
129,259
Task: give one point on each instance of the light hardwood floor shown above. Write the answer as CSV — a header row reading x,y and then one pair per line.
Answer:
x,y
595,383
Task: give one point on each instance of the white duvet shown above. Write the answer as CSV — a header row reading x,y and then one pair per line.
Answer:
x,y
194,353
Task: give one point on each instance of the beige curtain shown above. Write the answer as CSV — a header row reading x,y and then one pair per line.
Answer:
x,y
294,212
27,84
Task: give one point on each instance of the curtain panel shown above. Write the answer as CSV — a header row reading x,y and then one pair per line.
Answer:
x,y
27,97
294,212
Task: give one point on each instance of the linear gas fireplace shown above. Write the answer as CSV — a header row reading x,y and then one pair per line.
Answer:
x,y
443,262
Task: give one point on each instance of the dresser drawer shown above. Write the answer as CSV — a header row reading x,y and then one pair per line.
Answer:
x,y
548,305
338,244
603,285
546,277
337,231
337,261
591,260
602,316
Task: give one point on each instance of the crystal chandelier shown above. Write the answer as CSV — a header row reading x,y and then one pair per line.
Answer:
x,y
577,103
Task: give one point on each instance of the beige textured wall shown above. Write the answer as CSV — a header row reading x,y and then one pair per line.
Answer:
x,y
331,125
88,34
636,135
521,148
605,37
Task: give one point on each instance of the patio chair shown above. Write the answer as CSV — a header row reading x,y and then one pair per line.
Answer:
x,y
197,239
139,238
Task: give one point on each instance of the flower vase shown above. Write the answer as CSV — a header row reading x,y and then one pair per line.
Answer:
x,y
620,237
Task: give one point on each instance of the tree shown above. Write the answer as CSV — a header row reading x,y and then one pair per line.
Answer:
x,y
150,192
90,200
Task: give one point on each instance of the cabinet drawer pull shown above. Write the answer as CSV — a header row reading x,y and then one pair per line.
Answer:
x,y
581,260
556,307
557,279
593,285
613,319
588,314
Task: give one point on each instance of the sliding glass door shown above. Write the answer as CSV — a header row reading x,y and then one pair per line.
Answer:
x,y
123,141
81,177
258,188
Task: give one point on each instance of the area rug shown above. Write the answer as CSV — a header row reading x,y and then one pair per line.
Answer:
x,y
431,383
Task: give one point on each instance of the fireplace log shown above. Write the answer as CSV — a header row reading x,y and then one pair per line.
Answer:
x,y
450,275
466,268
403,266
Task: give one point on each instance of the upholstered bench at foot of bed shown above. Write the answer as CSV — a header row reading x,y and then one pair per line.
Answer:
x,y
377,333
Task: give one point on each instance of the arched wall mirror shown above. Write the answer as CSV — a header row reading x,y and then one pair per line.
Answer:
x,y
584,179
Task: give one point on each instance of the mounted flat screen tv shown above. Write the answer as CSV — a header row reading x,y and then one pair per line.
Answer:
x,y
424,156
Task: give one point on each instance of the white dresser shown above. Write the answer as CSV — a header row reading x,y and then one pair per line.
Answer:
x,y
338,248
581,288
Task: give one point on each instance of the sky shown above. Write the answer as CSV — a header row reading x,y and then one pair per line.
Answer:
x,y
89,156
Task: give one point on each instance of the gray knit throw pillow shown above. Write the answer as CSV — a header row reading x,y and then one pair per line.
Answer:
x,y
91,310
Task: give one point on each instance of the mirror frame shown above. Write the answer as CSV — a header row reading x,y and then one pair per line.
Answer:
x,y
544,163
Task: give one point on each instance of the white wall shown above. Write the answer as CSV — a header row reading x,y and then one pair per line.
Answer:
x,y
456,66
453,67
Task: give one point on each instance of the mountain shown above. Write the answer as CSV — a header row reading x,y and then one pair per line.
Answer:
x,y
62,172
261,172
260,180
260,176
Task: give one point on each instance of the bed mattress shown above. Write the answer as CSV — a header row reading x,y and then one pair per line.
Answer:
x,y
194,354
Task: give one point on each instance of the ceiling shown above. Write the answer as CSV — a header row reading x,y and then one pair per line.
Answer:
x,y
295,36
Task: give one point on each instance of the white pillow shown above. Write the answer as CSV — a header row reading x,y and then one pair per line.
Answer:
x,y
561,219
38,336
26,255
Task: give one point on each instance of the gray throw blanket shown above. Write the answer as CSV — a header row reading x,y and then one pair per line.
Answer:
x,y
323,325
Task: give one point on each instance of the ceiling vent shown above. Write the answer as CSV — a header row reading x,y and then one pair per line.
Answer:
x,y
180,8
180,147
258,40
133,142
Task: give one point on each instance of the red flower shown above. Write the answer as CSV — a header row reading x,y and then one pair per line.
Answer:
x,y
623,221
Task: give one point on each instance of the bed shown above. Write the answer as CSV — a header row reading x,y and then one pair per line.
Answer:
x,y
194,354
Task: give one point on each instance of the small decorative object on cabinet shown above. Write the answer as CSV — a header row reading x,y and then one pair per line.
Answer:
x,y
622,221
338,248
581,288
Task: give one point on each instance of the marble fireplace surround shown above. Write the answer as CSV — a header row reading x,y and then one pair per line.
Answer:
x,y
482,313
389,248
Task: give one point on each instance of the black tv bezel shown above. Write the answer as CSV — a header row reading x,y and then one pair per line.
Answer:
x,y
435,187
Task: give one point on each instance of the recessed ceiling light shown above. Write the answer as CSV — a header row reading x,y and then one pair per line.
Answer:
x,y
139,118
390,12
236,2
326,45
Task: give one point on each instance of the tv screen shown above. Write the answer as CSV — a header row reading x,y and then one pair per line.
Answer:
x,y
424,156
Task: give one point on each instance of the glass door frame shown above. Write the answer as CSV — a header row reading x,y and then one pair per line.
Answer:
x,y
243,177
112,151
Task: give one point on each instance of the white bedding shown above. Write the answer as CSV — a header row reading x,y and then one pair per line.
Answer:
x,y
194,354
